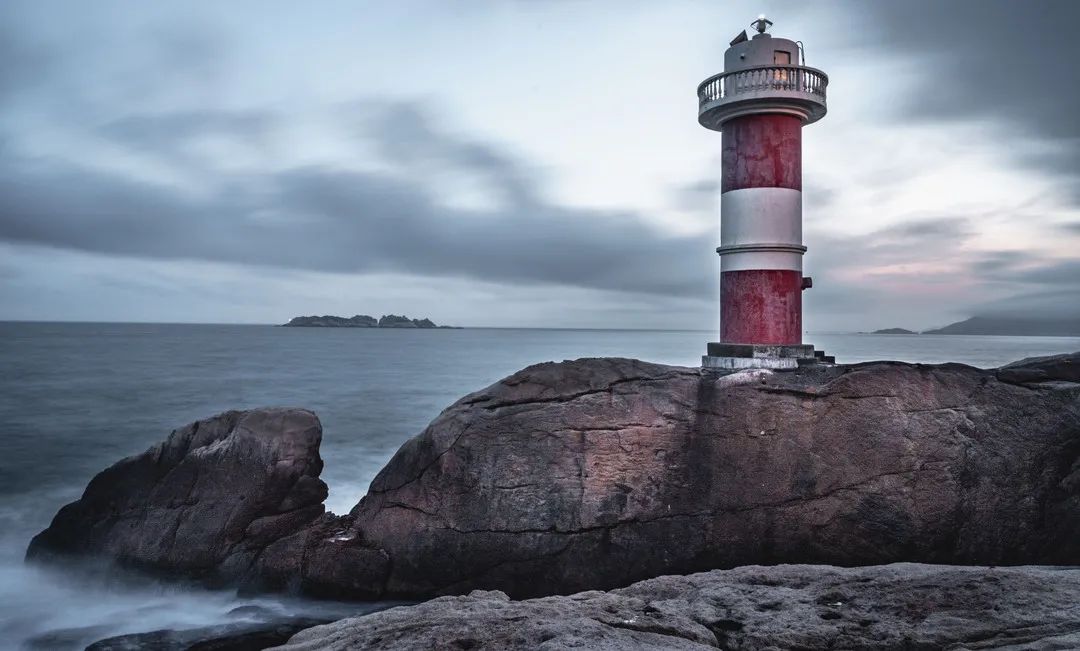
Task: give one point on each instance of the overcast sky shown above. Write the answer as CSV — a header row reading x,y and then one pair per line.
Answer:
x,y
521,163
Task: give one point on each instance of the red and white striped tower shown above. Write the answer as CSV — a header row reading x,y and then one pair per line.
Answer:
x,y
760,103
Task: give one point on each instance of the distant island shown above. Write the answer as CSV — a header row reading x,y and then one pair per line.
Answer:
x,y
1016,326
361,321
995,325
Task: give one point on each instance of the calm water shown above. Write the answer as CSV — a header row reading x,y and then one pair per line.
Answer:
x,y
76,397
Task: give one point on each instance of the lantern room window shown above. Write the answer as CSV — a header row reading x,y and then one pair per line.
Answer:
x,y
781,58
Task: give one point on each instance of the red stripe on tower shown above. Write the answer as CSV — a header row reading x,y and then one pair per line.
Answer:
x,y
761,181
762,151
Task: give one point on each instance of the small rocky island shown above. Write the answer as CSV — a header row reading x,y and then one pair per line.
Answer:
x,y
361,321
597,474
894,331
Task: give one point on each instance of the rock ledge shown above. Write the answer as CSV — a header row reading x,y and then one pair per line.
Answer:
x,y
901,606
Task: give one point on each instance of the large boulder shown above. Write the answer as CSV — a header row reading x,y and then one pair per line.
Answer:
x,y
596,473
899,607
204,502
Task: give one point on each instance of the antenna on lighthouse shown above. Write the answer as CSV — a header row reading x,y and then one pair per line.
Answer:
x,y
761,24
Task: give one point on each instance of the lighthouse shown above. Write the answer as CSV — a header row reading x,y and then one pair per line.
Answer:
x,y
760,103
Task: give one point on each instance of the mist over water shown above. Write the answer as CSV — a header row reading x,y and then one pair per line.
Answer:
x,y
74,398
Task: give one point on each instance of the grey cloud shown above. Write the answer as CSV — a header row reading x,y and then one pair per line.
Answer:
x,y
919,231
404,134
1060,273
1056,305
908,242
700,197
167,131
999,262
329,219
997,57
839,263
91,66
822,195
22,64
1006,60
335,219
1027,268
1032,288
195,50
174,137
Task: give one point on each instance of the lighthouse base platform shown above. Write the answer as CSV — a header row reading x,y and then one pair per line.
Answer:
x,y
723,357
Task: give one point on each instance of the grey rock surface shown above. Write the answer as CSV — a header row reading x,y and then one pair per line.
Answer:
x,y
596,473
901,606
204,503
1052,368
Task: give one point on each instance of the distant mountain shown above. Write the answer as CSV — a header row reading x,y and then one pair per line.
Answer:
x,y
361,321
1017,326
894,331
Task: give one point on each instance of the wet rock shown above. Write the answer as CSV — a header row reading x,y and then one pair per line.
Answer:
x,y
901,606
225,637
204,503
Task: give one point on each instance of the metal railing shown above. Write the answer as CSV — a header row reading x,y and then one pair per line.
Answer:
x,y
798,79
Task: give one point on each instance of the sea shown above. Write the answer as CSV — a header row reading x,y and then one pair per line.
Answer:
x,y
76,397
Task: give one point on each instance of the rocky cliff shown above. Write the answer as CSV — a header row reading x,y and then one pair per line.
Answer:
x,y
596,473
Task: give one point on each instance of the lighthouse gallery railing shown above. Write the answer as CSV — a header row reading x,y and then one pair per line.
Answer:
x,y
798,79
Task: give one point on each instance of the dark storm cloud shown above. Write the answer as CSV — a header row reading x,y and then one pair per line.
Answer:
x,y
332,219
999,59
